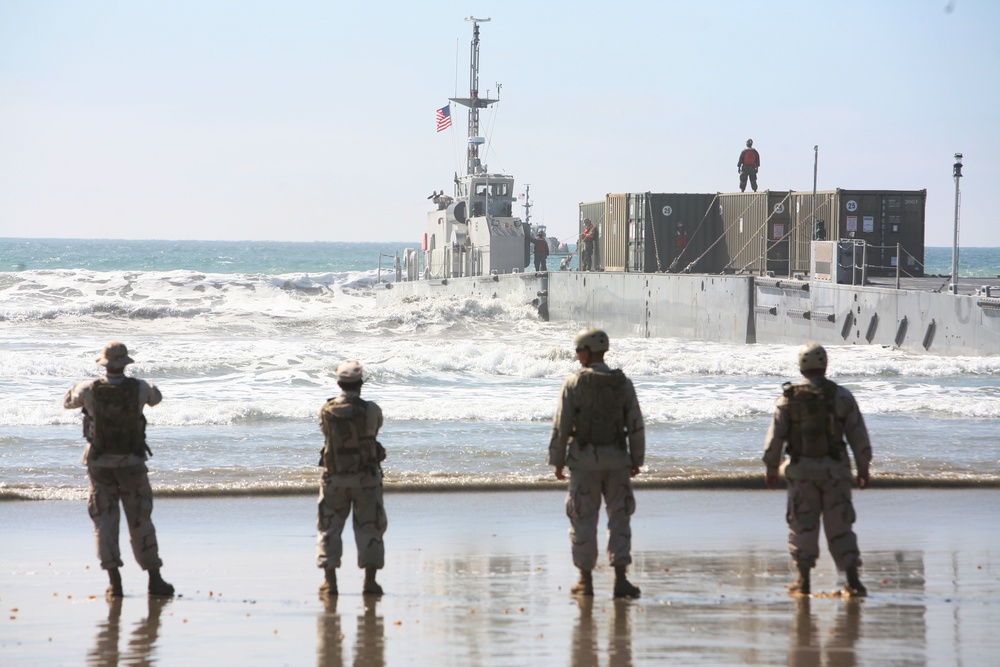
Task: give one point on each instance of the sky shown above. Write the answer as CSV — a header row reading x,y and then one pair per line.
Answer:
x,y
314,121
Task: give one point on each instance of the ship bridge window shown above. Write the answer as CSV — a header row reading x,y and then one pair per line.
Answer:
x,y
500,207
500,190
480,188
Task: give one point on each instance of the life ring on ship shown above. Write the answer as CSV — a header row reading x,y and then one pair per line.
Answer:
x,y
423,243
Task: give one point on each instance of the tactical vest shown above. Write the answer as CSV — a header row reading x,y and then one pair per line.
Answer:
x,y
117,425
349,447
749,158
814,431
600,412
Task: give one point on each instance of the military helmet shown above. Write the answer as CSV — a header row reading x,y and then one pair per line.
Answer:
x,y
350,371
812,357
595,339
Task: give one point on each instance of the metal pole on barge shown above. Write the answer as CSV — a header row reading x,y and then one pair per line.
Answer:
x,y
815,172
957,172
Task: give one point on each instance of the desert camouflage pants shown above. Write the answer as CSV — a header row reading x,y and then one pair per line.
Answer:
x,y
583,507
129,488
338,496
808,501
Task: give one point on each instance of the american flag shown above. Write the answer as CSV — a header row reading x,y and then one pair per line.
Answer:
x,y
443,117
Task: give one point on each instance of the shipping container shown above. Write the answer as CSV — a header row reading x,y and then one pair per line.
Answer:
x,y
661,232
808,226
767,232
614,241
756,229
637,228
882,219
684,234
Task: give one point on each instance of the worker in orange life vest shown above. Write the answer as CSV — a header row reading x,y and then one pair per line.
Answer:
x,y
748,165
541,245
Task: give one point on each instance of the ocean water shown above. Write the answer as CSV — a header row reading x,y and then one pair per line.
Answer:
x,y
972,263
242,339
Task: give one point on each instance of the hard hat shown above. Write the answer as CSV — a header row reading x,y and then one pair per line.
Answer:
x,y
595,339
812,357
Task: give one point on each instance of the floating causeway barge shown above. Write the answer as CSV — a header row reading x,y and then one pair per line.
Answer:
x,y
835,267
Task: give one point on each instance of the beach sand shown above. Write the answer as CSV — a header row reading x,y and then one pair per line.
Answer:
x,y
482,579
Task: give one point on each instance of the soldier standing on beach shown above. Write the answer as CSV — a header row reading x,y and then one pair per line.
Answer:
x,y
116,451
813,418
598,434
352,480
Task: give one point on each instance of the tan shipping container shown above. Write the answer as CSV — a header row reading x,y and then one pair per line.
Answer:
x,y
756,228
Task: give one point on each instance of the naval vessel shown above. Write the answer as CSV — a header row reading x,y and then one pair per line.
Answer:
x,y
767,267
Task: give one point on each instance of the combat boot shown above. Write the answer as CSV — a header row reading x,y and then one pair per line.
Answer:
x,y
624,587
585,586
802,585
158,587
329,586
371,586
854,586
115,589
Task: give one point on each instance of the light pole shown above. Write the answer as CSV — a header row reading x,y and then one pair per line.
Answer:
x,y
815,172
957,172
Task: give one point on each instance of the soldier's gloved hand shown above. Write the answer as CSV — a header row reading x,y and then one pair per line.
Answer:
x,y
862,480
771,480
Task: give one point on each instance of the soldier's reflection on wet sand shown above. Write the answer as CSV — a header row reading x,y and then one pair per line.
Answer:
x,y
329,637
141,647
585,649
584,644
620,642
808,646
369,640
369,643
105,650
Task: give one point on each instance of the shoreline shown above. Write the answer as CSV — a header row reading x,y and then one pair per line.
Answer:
x,y
483,578
719,483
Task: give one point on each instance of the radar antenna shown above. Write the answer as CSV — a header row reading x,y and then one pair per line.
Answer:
x,y
473,102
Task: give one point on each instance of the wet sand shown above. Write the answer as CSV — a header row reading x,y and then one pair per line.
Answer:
x,y
482,578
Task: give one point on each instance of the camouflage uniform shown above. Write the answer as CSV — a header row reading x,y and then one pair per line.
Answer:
x,y
352,483
598,469
820,486
117,478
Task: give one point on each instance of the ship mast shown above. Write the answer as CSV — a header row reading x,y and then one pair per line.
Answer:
x,y
527,203
474,102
